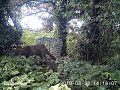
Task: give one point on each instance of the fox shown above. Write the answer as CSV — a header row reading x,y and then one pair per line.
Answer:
x,y
38,50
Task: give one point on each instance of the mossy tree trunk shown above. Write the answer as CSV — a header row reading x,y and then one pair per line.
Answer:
x,y
61,24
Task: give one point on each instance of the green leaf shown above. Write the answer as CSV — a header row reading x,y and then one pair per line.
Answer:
x,y
101,88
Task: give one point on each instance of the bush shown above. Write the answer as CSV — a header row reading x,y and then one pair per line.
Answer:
x,y
81,75
72,40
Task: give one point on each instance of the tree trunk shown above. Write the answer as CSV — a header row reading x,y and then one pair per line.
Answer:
x,y
94,38
62,22
6,32
62,35
14,18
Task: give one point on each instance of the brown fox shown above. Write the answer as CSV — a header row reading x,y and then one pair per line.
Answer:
x,y
38,49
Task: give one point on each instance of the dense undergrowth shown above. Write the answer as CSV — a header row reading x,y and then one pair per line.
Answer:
x,y
84,76
23,74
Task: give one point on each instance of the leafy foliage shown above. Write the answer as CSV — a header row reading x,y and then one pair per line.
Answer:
x,y
59,87
8,37
21,73
82,75
72,40
29,38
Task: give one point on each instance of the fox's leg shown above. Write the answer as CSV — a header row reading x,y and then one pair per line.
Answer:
x,y
48,53
44,58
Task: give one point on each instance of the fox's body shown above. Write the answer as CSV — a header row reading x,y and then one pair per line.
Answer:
x,y
38,49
